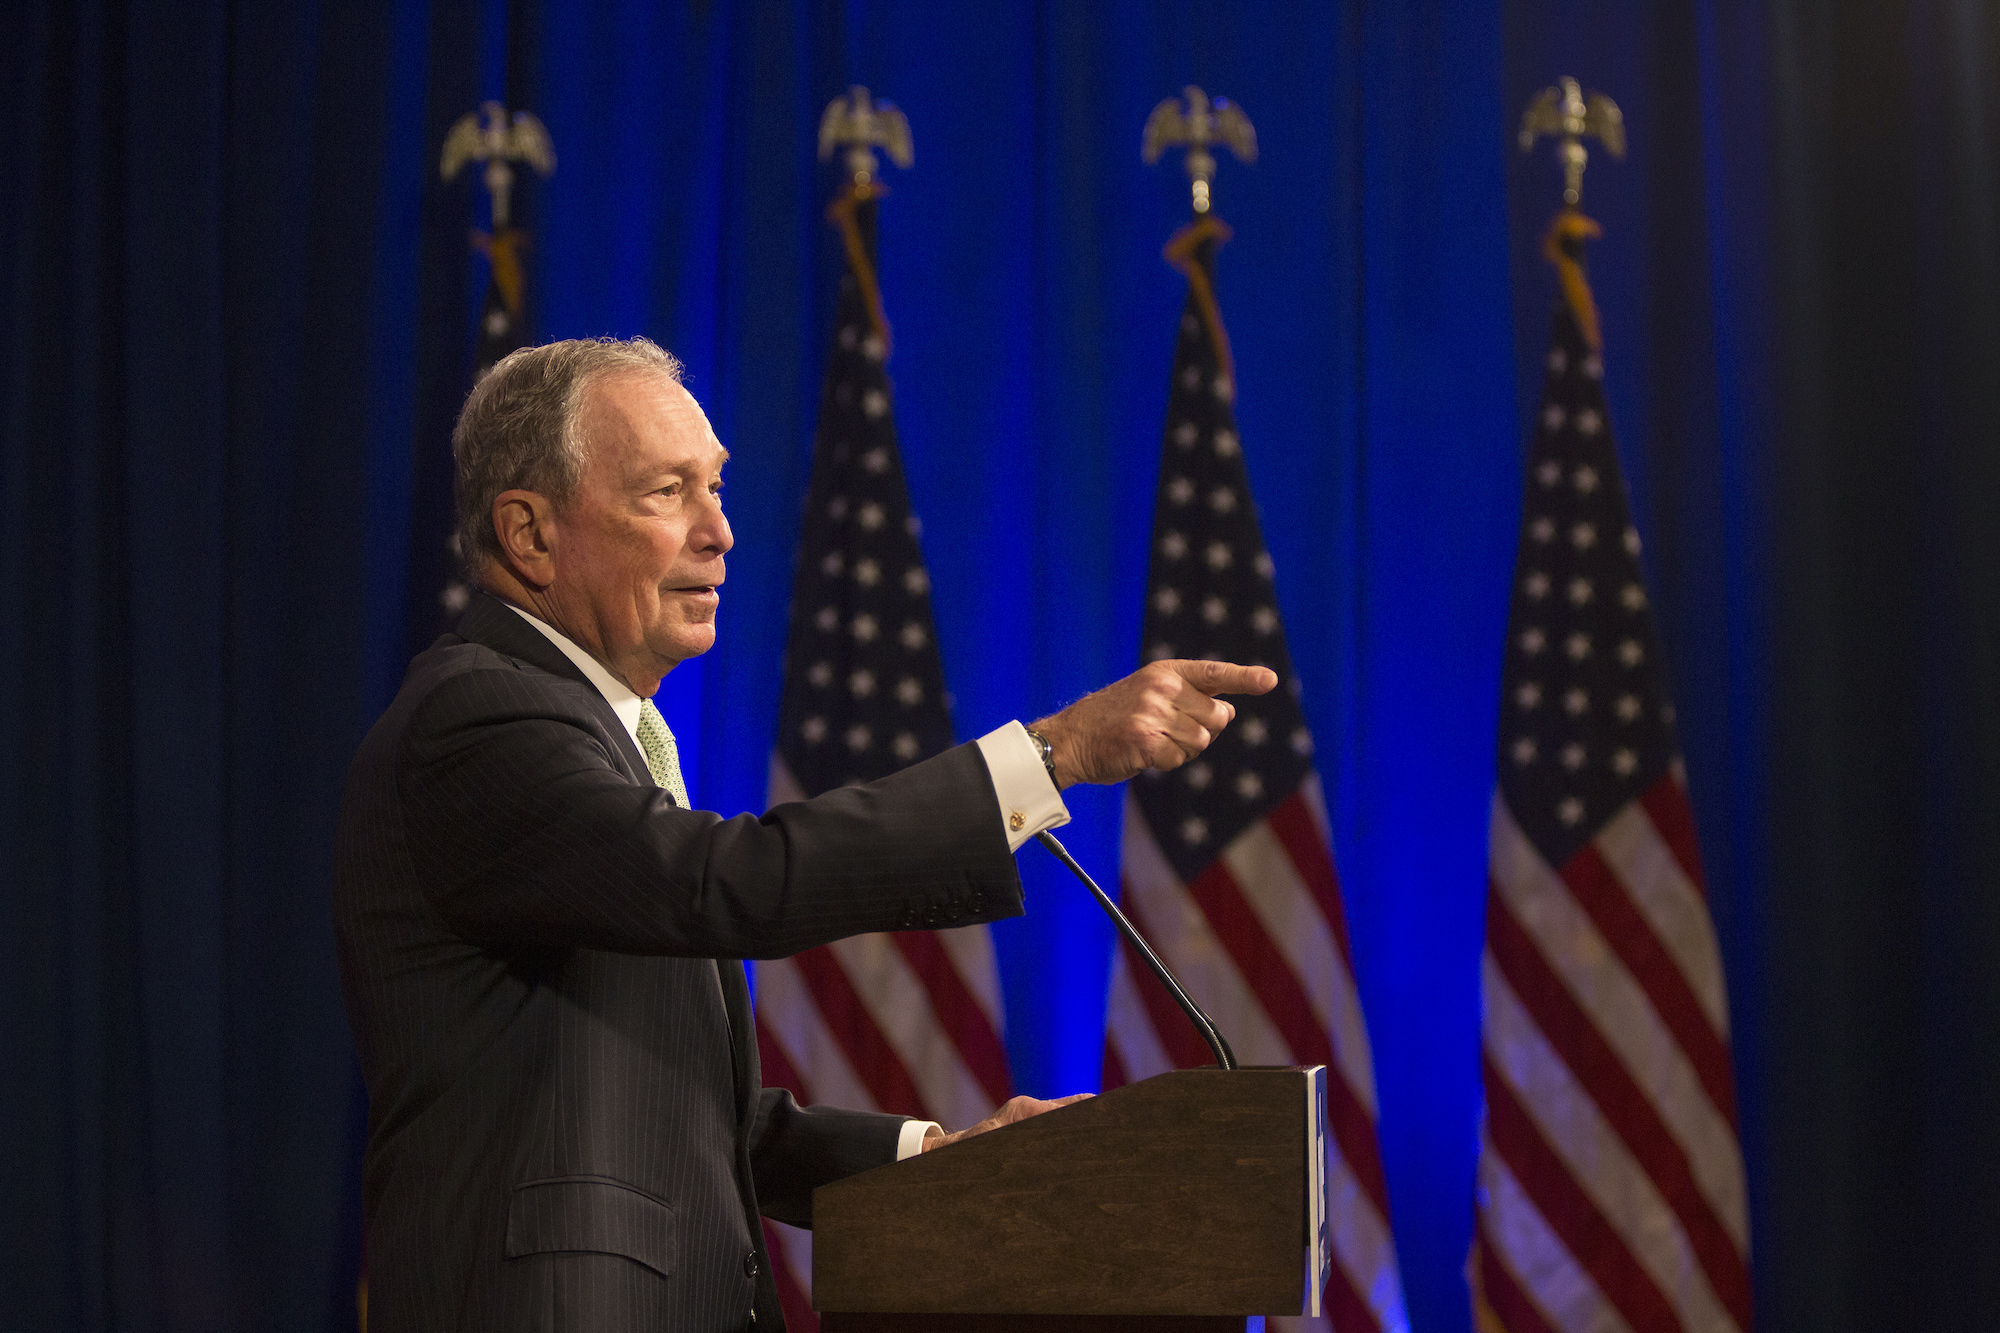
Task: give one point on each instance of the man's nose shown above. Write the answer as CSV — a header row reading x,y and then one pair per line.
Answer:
x,y
711,533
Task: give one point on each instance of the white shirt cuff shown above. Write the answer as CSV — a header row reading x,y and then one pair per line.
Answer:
x,y
1029,801
911,1141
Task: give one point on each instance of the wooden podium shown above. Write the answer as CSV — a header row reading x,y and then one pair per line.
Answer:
x,y
1182,1202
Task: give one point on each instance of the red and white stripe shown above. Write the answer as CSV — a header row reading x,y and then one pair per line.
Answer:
x,y
909,1023
1611,1190
1260,939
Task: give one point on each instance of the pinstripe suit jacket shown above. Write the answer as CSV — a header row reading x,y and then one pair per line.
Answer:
x,y
566,1124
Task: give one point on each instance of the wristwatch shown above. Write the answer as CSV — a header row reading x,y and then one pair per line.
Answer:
x,y
1048,753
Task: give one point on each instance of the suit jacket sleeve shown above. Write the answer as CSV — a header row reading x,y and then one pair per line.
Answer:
x,y
526,833
795,1149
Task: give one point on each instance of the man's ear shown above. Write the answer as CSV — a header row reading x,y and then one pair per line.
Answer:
x,y
524,521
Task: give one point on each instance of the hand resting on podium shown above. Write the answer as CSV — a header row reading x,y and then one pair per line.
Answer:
x,y
1015,1109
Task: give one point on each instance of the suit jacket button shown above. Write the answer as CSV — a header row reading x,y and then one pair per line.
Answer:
x,y
750,1265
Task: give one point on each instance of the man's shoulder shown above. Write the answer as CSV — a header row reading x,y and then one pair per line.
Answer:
x,y
454,675
456,681
453,656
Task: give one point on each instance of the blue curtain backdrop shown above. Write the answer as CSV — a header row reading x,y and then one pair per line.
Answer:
x,y
235,314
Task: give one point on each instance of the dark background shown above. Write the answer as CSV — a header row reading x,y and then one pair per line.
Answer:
x,y
235,309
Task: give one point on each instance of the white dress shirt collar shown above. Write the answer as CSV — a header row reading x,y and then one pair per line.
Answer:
x,y
615,691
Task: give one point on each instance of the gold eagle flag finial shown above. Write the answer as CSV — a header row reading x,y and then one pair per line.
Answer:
x,y
488,135
862,126
1200,124
1563,112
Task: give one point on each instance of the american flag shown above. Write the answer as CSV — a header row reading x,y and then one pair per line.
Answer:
x,y
1227,865
501,330
909,1022
438,584
1610,1191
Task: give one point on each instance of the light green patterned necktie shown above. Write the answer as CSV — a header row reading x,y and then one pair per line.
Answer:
x,y
663,757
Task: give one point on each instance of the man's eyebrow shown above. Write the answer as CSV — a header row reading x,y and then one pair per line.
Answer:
x,y
687,468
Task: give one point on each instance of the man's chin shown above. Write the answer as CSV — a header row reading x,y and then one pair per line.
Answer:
x,y
685,641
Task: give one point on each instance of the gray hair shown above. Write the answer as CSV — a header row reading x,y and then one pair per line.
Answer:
x,y
521,428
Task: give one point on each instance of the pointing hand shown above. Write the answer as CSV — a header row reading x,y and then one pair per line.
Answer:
x,y
1160,716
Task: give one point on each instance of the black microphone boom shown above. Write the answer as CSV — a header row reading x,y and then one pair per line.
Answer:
x,y
1202,1022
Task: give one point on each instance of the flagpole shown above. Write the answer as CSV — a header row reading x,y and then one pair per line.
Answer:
x,y
1195,122
493,137
861,124
490,136
1563,113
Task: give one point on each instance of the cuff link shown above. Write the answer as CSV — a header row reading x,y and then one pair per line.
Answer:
x,y
1017,821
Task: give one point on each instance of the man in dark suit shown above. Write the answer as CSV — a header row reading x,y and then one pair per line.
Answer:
x,y
538,937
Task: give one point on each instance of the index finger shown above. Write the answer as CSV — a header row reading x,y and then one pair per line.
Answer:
x,y
1213,678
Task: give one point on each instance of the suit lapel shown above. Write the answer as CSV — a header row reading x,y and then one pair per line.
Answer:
x,y
490,621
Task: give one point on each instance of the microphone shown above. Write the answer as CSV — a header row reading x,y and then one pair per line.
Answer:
x,y
1202,1022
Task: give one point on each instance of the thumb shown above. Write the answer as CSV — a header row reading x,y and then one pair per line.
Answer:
x,y
1214,678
